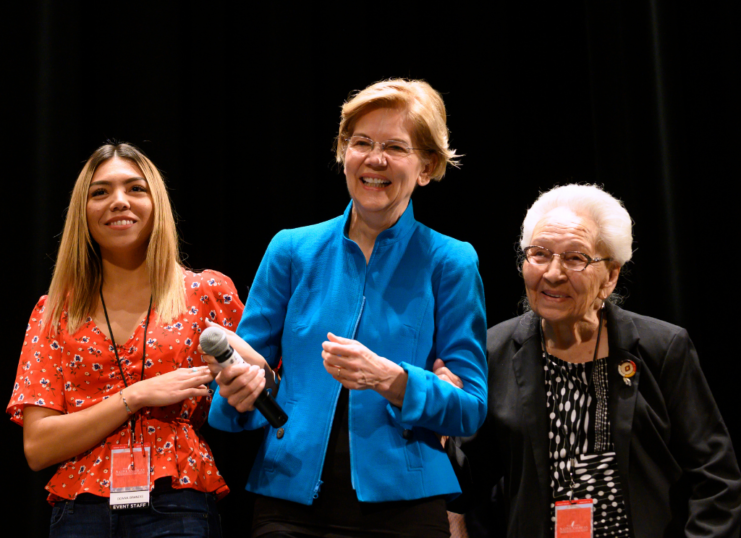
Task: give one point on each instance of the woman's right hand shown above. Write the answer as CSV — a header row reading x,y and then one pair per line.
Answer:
x,y
241,384
169,388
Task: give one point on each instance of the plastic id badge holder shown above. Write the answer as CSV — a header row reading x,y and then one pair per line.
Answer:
x,y
129,477
574,518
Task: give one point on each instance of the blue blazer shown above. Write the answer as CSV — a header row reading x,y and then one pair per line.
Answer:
x,y
419,297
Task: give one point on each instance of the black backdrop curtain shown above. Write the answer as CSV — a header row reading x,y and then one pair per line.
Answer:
x,y
238,104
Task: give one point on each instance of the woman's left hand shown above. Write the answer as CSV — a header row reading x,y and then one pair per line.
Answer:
x,y
358,368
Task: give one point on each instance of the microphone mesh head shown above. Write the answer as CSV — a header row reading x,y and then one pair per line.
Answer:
x,y
214,342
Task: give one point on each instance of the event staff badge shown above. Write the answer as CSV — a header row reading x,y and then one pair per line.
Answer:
x,y
574,518
130,476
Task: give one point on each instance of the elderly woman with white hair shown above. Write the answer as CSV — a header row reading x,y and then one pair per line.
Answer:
x,y
598,417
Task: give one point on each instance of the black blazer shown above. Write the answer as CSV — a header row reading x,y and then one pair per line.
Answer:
x,y
680,474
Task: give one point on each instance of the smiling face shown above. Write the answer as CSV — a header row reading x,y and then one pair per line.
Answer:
x,y
559,295
119,209
381,186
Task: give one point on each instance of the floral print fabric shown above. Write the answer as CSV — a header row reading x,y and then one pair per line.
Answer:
x,y
70,373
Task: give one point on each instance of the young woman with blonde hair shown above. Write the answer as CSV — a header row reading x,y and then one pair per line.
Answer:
x,y
110,360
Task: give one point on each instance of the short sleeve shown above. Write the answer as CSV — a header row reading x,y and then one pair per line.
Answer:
x,y
39,380
222,303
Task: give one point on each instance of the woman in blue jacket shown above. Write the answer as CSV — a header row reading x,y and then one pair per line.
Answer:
x,y
358,308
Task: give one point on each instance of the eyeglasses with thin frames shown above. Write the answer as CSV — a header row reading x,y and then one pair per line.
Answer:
x,y
571,260
391,148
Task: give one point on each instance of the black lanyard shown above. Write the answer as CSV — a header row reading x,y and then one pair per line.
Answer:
x,y
132,425
573,447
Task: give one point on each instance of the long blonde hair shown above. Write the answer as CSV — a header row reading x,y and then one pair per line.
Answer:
x,y
78,270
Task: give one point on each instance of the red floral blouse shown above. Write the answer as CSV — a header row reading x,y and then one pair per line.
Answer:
x,y
70,373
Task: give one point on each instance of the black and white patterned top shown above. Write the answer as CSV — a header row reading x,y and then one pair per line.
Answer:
x,y
577,411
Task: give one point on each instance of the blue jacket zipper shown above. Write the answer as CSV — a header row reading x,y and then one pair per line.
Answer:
x,y
319,482
317,488
353,470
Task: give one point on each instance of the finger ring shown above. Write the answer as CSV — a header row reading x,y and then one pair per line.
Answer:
x,y
339,370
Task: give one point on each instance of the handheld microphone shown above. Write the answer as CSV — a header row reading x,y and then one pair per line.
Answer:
x,y
214,342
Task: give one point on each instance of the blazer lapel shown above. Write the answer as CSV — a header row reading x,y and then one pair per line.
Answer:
x,y
623,337
528,368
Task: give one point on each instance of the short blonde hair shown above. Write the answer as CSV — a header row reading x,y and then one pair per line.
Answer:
x,y
615,227
78,270
424,108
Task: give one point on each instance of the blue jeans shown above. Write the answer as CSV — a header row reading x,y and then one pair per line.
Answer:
x,y
175,513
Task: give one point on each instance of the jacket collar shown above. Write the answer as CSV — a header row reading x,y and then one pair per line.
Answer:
x,y
621,330
403,227
526,328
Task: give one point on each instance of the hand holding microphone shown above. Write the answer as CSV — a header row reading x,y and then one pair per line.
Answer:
x,y
214,342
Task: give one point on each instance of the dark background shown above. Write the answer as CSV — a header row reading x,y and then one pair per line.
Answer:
x,y
238,104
